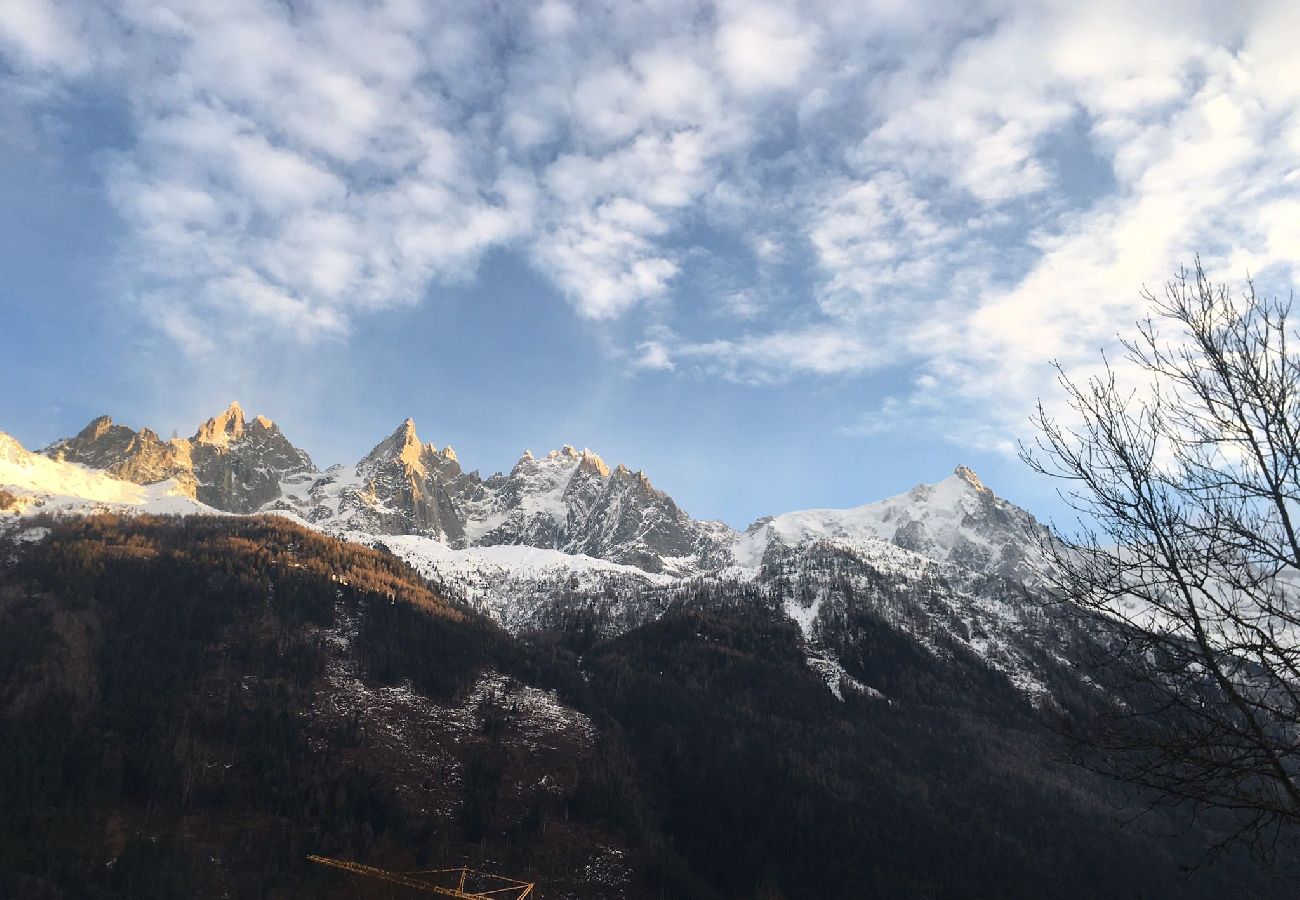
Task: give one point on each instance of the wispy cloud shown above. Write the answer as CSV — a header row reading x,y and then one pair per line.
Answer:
x,y
767,358
965,190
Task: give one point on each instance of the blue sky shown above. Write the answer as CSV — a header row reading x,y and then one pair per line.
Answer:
x,y
776,255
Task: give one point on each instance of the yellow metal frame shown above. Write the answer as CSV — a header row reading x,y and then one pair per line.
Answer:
x,y
508,889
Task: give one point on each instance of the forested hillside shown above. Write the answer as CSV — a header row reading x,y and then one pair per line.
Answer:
x,y
188,707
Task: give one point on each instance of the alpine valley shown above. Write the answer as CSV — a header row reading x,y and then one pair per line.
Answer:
x,y
217,658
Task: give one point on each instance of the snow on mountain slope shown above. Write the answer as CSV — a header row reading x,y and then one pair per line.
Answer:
x,y
957,520
507,582
564,533
37,483
822,585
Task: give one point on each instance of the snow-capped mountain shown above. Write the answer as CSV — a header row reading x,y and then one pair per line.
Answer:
x,y
958,520
31,483
228,464
564,534
568,500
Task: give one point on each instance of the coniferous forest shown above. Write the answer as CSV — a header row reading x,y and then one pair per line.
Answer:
x,y
189,707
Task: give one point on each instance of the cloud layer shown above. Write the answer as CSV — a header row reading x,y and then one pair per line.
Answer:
x,y
955,191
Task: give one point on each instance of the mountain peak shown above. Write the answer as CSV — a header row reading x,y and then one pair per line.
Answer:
x,y
967,475
591,459
96,428
403,446
402,435
221,429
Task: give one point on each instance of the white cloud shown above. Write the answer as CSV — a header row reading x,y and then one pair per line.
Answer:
x,y
778,356
964,189
872,236
764,46
43,34
654,356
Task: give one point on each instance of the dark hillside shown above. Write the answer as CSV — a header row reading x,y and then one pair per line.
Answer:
x,y
188,707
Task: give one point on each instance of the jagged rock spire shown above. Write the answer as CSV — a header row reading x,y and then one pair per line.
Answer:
x,y
967,475
403,446
221,429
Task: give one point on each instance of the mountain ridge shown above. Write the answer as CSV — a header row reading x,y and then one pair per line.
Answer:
x,y
566,499
563,534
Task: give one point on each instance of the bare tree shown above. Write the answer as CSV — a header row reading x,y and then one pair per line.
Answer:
x,y
1189,563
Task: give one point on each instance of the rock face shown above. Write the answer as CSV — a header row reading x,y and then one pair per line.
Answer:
x,y
228,464
240,467
402,486
137,456
570,500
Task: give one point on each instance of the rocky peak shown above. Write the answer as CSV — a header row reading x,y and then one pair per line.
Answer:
x,y
968,476
221,429
589,460
408,487
568,454
402,446
134,456
97,428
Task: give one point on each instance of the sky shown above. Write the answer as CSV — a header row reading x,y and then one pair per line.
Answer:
x,y
777,256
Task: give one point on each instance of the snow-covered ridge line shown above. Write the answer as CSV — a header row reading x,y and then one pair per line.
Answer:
x,y
568,500
565,528
35,483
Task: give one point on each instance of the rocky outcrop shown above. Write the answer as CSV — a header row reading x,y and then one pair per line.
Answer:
x,y
137,456
402,486
228,464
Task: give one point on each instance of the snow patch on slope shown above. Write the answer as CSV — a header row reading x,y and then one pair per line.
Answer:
x,y
818,659
495,579
46,485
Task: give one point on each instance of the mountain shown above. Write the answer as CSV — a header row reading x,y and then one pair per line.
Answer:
x,y
567,500
957,520
191,706
553,672
400,487
565,537
570,500
565,541
228,464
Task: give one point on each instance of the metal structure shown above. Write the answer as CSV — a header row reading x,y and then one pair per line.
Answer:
x,y
462,882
